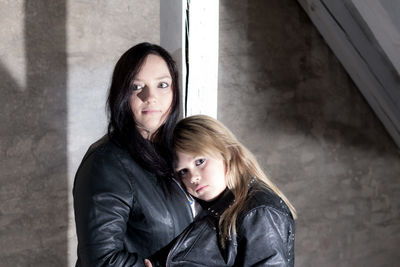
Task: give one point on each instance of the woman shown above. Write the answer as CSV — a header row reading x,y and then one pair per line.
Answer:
x,y
126,205
246,220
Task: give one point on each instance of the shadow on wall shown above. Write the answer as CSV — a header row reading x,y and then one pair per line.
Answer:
x,y
288,99
33,193
307,86
323,135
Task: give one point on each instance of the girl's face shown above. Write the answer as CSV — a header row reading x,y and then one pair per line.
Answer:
x,y
152,96
203,176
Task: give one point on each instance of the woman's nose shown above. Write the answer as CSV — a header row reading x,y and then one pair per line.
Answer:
x,y
147,94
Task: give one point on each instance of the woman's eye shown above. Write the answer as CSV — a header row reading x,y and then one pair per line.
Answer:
x,y
200,161
163,85
137,86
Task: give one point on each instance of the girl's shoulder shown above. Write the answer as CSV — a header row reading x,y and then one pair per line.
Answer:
x,y
263,198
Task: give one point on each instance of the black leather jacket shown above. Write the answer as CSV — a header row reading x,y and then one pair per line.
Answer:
x,y
123,213
265,235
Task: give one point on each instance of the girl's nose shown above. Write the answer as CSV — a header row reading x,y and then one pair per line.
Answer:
x,y
195,178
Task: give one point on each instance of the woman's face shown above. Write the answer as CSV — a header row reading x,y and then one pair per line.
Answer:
x,y
152,96
203,176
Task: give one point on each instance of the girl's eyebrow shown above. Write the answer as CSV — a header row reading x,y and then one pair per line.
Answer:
x,y
178,168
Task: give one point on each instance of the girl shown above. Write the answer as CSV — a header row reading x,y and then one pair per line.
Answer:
x,y
126,204
245,221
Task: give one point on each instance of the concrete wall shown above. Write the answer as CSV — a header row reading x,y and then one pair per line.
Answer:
x,y
285,95
281,91
33,144
56,58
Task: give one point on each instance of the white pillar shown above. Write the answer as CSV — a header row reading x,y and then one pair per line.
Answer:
x,y
189,30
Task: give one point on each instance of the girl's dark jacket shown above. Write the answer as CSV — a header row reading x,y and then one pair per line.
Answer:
x,y
265,235
123,213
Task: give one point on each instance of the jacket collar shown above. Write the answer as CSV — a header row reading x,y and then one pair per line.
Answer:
x,y
216,207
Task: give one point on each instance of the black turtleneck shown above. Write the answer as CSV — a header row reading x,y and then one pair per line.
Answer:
x,y
218,205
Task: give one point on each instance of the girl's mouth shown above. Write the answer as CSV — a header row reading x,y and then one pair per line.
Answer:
x,y
200,188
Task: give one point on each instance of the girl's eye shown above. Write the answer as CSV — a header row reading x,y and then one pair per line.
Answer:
x,y
181,173
199,162
163,85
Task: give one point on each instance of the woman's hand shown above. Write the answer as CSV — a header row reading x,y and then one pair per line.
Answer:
x,y
147,263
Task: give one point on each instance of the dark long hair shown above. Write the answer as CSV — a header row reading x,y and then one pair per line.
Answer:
x,y
155,155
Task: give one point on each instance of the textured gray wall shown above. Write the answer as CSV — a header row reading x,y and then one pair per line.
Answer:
x,y
284,94
56,58
33,181
281,91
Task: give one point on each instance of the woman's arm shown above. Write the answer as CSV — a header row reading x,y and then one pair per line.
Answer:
x,y
265,238
103,199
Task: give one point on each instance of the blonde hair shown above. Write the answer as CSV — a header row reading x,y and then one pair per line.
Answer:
x,y
203,135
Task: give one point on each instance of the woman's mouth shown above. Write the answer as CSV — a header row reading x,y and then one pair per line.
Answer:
x,y
150,111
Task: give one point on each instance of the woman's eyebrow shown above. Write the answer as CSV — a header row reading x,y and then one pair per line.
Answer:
x,y
164,77
138,79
